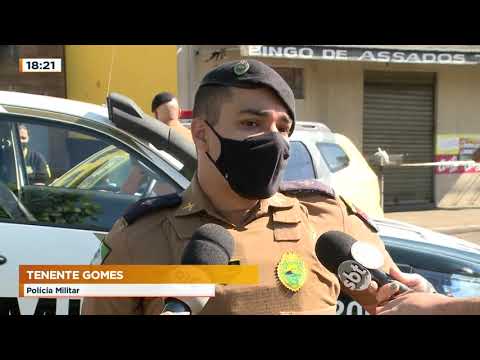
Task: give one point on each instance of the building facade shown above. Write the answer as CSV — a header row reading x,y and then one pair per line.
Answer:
x,y
11,79
138,71
90,72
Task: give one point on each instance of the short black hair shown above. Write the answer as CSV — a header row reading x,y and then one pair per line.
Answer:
x,y
209,100
22,126
160,99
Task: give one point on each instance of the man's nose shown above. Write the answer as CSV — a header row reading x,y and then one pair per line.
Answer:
x,y
272,121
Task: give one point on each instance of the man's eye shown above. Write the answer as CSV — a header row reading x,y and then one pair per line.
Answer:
x,y
249,123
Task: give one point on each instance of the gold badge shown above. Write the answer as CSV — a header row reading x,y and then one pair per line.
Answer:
x,y
292,271
188,207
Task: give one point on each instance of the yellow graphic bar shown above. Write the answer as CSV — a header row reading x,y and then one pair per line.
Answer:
x,y
139,274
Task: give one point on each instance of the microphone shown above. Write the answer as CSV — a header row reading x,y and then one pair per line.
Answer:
x,y
211,244
355,263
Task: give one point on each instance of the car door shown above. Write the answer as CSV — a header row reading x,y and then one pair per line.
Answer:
x,y
62,217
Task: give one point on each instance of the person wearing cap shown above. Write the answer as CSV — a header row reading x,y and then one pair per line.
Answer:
x,y
166,109
243,115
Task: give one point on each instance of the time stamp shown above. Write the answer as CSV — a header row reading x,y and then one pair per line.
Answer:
x,y
28,65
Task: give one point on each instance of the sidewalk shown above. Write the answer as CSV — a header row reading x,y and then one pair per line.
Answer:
x,y
447,221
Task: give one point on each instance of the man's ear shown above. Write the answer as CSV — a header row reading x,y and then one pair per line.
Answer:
x,y
198,129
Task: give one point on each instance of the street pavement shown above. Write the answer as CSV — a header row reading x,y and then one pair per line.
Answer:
x,y
462,223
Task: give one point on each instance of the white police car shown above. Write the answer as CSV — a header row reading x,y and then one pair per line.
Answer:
x,y
102,159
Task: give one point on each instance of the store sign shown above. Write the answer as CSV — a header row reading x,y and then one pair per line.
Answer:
x,y
339,53
456,147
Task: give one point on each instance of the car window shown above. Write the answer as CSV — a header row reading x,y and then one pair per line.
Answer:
x,y
300,164
77,179
334,156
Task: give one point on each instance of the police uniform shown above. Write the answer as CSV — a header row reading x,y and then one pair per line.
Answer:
x,y
38,170
278,235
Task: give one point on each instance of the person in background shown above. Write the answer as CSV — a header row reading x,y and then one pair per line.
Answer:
x,y
166,109
38,171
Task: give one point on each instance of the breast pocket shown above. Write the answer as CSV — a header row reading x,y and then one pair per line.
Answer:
x,y
286,226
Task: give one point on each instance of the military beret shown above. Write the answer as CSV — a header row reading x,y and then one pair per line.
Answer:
x,y
252,74
161,99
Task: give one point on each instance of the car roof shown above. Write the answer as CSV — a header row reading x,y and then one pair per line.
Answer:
x,y
312,131
55,104
312,126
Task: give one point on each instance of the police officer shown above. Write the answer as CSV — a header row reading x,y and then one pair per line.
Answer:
x,y
166,109
243,116
38,170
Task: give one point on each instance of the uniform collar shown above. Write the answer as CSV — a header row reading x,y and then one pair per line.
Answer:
x,y
194,201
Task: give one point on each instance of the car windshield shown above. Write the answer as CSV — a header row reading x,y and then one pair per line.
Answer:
x,y
452,284
333,155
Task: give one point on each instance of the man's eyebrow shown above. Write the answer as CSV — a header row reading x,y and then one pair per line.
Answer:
x,y
263,113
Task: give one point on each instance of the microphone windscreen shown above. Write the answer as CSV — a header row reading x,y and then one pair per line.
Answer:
x,y
211,244
333,248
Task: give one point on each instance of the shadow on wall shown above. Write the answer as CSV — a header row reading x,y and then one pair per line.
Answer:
x,y
458,190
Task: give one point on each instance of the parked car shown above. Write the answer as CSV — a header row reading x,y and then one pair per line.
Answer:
x,y
105,158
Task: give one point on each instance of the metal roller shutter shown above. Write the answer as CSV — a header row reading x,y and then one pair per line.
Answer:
x,y
398,117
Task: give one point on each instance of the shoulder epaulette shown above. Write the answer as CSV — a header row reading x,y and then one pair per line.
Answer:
x,y
148,205
305,187
353,210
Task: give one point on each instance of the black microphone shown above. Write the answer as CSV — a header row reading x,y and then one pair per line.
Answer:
x,y
355,263
211,244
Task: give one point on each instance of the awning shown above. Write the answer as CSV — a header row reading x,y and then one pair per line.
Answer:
x,y
411,54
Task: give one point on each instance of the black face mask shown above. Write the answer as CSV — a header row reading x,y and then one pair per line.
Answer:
x,y
253,167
